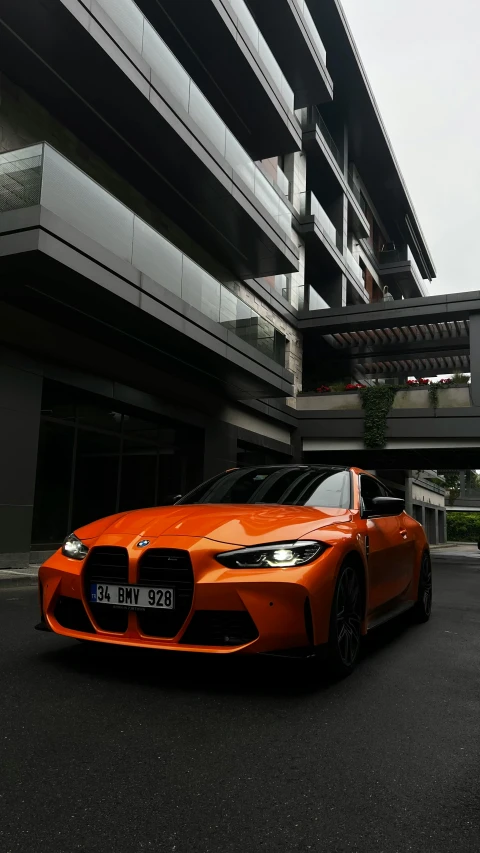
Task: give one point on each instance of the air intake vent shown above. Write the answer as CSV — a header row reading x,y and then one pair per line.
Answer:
x,y
169,569
107,565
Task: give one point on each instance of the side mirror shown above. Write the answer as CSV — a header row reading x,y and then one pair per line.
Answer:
x,y
387,506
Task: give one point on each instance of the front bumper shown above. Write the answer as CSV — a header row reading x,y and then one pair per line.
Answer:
x,y
247,612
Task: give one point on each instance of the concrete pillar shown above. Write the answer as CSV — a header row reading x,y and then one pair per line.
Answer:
x,y
437,527
409,492
463,483
220,448
20,406
424,519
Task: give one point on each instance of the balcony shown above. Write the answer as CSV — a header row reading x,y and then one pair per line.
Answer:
x,y
291,33
220,45
399,271
177,151
124,278
328,166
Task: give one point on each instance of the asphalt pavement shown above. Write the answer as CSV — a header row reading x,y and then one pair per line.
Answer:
x,y
121,751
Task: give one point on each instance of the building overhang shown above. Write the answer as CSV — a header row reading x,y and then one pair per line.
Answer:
x,y
217,52
53,271
370,146
285,29
92,79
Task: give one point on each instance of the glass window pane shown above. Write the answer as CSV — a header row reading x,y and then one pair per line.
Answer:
x,y
200,290
85,205
52,490
331,491
138,477
165,65
96,476
156,257
128,18
207,119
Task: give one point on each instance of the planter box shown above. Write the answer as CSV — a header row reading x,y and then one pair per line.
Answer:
x,y
457,397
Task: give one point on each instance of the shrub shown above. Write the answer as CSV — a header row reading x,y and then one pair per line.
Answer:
x,y
463,526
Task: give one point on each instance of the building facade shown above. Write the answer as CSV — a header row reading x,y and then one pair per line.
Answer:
x,y
180,183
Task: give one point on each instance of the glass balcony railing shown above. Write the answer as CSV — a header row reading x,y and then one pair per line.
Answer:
x,y
312,115
402,256
310,206
314,34
282,182
262,49
415,270
164,64
40,175
354,267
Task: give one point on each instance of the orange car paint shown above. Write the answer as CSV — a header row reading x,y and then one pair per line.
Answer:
x,y
274,598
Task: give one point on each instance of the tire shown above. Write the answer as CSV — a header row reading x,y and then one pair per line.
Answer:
x,y
422,608
345,623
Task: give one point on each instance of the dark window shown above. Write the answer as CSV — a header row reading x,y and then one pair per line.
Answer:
x,y
301,486
370,489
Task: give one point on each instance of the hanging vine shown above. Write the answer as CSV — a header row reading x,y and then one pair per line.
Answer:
x,y
433,396
377,401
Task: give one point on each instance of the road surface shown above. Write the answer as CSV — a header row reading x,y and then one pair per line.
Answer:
x,y
109,750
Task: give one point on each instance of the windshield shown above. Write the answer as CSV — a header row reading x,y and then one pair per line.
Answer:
x,y
322,487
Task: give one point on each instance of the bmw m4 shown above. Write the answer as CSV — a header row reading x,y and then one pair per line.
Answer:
x,y
297,560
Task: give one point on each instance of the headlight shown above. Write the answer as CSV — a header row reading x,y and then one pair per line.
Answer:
x,y
74,548
283,555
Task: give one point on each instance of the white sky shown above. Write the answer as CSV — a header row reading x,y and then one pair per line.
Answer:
x,y
422,58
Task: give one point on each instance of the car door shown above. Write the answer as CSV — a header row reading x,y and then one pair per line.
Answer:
x,y
383,546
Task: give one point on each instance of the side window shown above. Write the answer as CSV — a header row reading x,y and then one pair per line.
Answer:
x,y
370,489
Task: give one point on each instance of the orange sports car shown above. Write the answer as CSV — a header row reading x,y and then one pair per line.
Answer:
x,y
292,559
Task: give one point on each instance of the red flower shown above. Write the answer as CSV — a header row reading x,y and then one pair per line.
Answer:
x,y
324,389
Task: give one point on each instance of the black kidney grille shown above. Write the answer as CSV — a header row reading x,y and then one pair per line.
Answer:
x,y
107,565
220,628
166,567
70,613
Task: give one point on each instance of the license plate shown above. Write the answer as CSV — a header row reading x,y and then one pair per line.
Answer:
x,y
132,597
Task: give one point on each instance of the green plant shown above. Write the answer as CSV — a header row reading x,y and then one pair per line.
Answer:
x,y
338,387
377,400
460,378
433,396
463,526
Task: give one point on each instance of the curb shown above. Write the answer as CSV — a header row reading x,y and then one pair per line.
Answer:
x,y
15,578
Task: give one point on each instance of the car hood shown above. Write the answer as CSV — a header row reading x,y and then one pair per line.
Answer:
x,y
228,523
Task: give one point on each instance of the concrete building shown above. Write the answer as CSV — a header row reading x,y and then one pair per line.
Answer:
x,y
180,183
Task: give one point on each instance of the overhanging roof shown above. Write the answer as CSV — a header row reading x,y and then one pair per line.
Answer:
x,y
371,148
422,337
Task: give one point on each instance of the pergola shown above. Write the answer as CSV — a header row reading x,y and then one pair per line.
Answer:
x,y
420,337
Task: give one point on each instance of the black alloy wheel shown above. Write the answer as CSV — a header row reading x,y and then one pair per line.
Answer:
x,y
345,623
422,609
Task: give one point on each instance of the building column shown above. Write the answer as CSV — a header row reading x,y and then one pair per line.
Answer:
x,y
20,407
437,527
220,448
463,483
409,493
424,519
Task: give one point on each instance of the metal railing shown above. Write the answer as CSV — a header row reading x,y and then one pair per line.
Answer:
x,y
144,38
39,175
